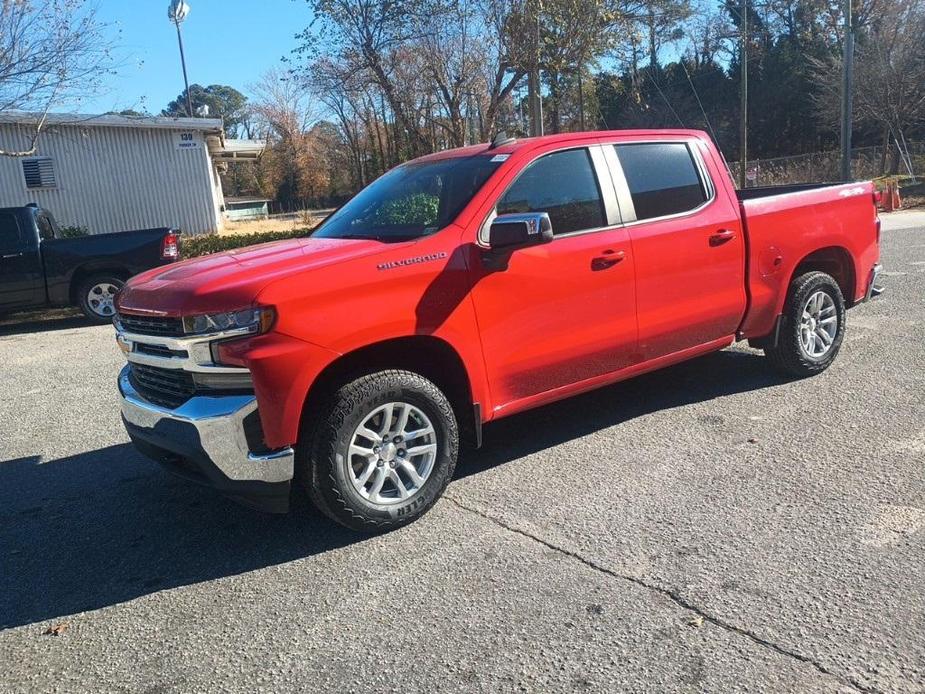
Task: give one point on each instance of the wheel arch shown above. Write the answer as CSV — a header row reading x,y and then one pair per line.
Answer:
x,y
84,272
836,261
432,357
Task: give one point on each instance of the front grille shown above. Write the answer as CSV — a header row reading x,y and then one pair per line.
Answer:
x,y
151,325
165,387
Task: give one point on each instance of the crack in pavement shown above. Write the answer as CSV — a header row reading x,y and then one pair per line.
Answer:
x,y
672,595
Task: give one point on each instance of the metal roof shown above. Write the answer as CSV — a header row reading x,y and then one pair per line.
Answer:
x,y
113,121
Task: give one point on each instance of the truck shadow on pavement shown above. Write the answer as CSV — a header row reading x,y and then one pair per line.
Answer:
x,y
106,526
22,324
699,380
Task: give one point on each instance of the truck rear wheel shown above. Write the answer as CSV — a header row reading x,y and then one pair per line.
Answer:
x,y
381,452
96,295
812,328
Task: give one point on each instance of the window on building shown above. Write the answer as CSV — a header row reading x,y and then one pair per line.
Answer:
x,y
39,172
562,184
662,178
10,240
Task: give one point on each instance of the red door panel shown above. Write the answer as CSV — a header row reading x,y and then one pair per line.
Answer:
x,y
690,279
688,247
558,314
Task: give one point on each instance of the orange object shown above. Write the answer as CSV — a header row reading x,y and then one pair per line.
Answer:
x,y
896,201
888,198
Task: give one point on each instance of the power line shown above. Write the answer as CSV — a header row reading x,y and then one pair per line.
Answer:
x,y
699,103
665,99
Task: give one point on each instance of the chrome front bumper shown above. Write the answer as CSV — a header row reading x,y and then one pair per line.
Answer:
x,y
204,439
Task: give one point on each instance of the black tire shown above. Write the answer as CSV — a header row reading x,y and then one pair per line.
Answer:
x,y
96,313
322,459
790,356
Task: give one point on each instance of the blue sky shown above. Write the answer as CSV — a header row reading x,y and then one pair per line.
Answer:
x,y
226,42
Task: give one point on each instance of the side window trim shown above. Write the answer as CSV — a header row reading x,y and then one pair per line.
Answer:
x,y
623,189
620,185
602,174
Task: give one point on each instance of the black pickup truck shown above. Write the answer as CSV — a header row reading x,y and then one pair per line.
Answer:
x,y
40,268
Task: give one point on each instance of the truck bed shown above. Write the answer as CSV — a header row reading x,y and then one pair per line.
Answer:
x,y
784,224
767,191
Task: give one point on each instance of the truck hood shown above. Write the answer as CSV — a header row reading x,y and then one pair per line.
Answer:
x,y
232,279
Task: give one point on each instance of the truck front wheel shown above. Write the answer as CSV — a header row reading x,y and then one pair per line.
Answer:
x,y
381,452
812,327
96,295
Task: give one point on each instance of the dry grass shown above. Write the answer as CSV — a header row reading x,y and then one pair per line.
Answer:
x,y
302,220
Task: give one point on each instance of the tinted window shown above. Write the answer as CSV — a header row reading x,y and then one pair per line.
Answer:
x,y
9,233
562,184
46,229
662,178
409,201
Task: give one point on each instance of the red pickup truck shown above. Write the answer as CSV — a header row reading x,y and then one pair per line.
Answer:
x,y
468,285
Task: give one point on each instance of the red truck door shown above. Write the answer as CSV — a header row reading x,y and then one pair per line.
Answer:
x,y
564,311
687,243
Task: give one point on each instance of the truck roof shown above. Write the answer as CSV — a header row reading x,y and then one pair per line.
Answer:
x,y
519,143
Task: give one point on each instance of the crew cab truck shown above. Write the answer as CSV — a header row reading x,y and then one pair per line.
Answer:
x,y
466,286
40,268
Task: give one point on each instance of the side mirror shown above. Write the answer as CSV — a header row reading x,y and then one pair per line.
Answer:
x,y
509,232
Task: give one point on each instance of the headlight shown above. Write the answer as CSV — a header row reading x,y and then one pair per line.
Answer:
x,y
259,320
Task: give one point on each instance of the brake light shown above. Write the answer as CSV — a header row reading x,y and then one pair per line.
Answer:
x,y
878,198
170,247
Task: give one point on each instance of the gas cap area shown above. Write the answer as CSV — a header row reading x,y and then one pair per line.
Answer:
x,y
770,261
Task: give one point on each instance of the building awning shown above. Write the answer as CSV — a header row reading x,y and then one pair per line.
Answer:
x,y
236,150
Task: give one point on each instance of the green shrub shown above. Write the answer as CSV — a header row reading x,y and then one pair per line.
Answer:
x,y
73,232
418,209
194,246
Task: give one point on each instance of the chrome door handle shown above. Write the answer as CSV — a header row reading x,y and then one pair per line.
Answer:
x,y
10,255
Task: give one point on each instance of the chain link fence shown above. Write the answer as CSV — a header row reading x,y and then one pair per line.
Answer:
x,y
866,163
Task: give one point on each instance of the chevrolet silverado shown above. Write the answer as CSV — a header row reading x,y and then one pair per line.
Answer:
x,y
469,285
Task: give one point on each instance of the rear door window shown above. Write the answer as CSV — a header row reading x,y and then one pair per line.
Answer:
x,y
562,184
46,228
662,177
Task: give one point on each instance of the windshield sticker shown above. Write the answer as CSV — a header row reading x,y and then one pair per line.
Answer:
x,y
500,157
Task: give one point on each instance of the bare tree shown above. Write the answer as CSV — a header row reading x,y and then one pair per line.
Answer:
x,y
889,77
52,52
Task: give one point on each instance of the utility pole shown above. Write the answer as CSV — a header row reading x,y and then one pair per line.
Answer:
x,y
581,99
743,93
846,93
534,95
177,12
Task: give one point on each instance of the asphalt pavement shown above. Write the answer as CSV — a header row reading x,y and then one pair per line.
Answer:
x,y
710,527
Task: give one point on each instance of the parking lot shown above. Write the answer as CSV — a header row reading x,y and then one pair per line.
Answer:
x,y
708,527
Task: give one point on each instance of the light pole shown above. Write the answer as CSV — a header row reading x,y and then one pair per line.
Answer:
x,y
847,67
177,12
743,95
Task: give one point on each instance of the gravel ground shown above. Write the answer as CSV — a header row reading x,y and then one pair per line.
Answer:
x,y
710,527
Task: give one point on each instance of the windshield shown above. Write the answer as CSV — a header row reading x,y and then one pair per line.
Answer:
x,y
411,200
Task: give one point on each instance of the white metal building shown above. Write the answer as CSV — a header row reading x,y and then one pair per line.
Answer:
x,y
113,173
